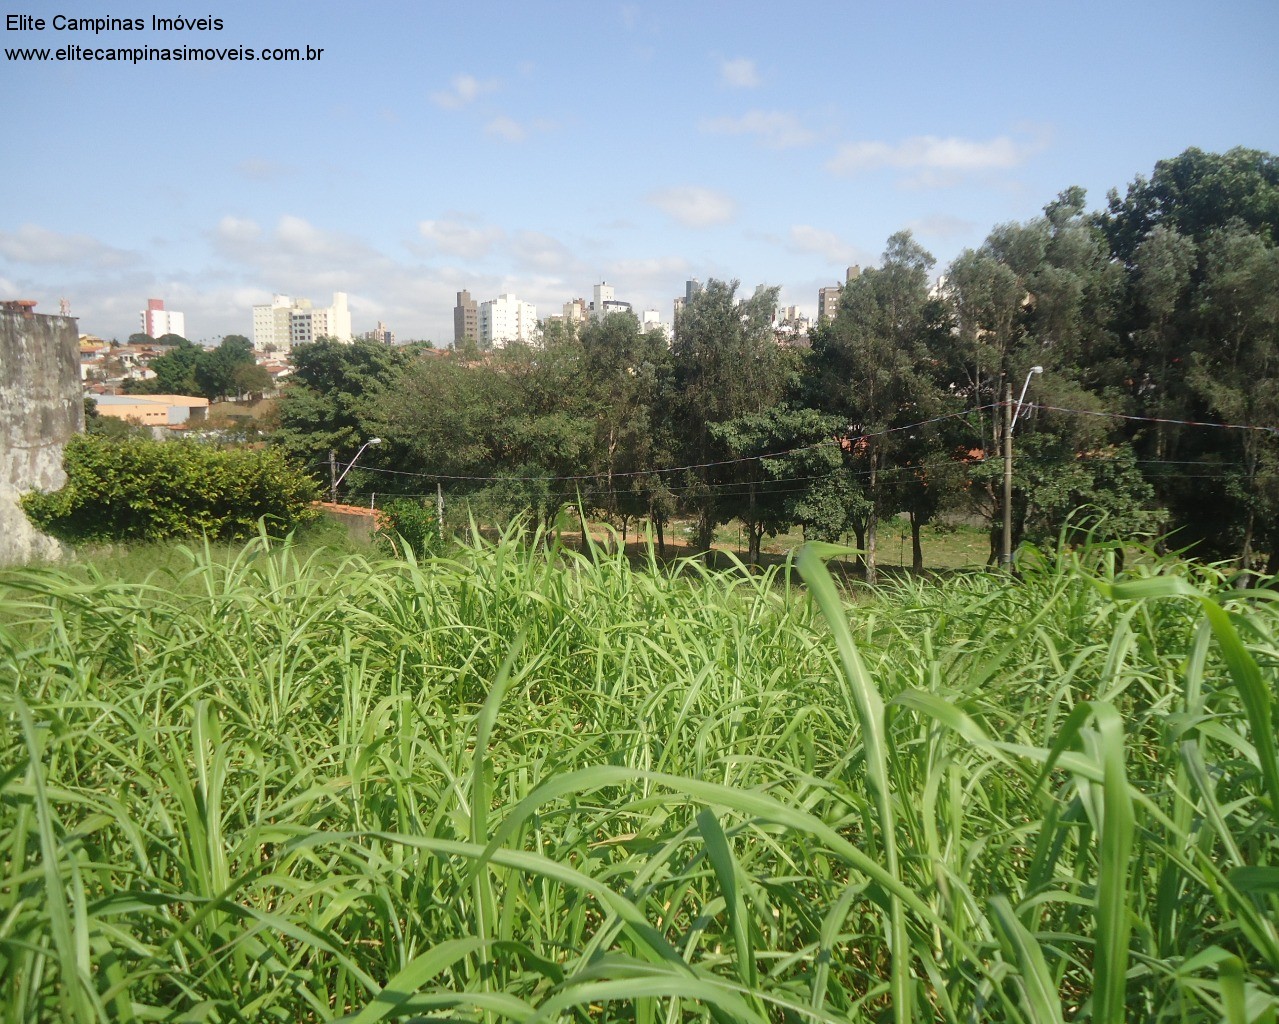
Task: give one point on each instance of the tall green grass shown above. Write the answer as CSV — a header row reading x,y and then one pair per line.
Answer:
x,y
529,784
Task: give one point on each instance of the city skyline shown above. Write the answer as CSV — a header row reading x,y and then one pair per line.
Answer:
x,y
641,145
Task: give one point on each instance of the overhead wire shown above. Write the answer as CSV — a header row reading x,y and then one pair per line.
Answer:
x,y
847,441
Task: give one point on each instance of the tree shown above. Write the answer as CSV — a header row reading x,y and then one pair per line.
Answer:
x,y
725,364
1235,370
1165,262
873,369
443,416
1073,495
766,493
1196,194
624,371
326,404
557,331
250,379
1192,337
176,372
1041,293
215,371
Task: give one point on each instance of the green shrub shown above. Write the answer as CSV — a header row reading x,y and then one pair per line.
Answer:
x,y
411,522
134,488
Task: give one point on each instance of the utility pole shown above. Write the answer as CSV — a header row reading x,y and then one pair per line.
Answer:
x,y
439,505
1006,551
1010,424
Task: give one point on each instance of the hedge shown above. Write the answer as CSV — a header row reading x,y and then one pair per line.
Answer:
x,y
139,489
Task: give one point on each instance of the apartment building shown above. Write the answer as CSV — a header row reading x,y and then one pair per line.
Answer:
x,y
286,321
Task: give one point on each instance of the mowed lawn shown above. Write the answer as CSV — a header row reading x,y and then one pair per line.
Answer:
x,y
515,782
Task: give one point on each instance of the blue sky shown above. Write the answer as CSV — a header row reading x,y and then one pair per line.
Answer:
x,y
539,148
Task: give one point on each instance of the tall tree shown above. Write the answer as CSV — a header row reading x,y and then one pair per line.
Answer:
x,y
776,455
873,366
1043,293
1170,231
326,404
216,369
1196,193
1165,262
726,364
176,371
624,372
1235,369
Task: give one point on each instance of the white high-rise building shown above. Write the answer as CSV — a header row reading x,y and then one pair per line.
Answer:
x,y
603,293
158,321
651,320
271,328
604,303
506,318
286,321
334,321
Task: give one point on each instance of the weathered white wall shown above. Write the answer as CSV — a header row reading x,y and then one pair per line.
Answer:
x,y
41,407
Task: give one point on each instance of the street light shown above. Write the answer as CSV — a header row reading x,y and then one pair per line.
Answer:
x,y
1017,412
1010,421
333,486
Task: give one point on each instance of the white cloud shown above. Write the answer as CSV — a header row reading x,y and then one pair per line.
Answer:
x,y
693,206
774,129
806,239
739,73
510,130
506,128
257,169
237,230
649,283
32,243
461,237
295,255
537,251
930,154
465,89
305,239
943,226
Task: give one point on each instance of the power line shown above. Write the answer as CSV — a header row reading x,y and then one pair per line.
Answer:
x,y
846,442
848,439
1155,419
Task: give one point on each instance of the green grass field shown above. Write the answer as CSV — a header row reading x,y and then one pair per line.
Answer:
x,y
283,784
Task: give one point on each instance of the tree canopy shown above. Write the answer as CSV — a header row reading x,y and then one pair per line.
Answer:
x,y
1149,319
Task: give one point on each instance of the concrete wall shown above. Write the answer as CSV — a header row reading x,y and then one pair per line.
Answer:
x,y
41,407
360,523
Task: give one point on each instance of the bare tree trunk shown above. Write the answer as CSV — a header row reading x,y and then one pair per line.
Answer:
x,y
705,535
871,518
916,549
1245,556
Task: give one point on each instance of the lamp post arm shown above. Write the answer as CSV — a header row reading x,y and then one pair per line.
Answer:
x,y
1017,411
375,440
